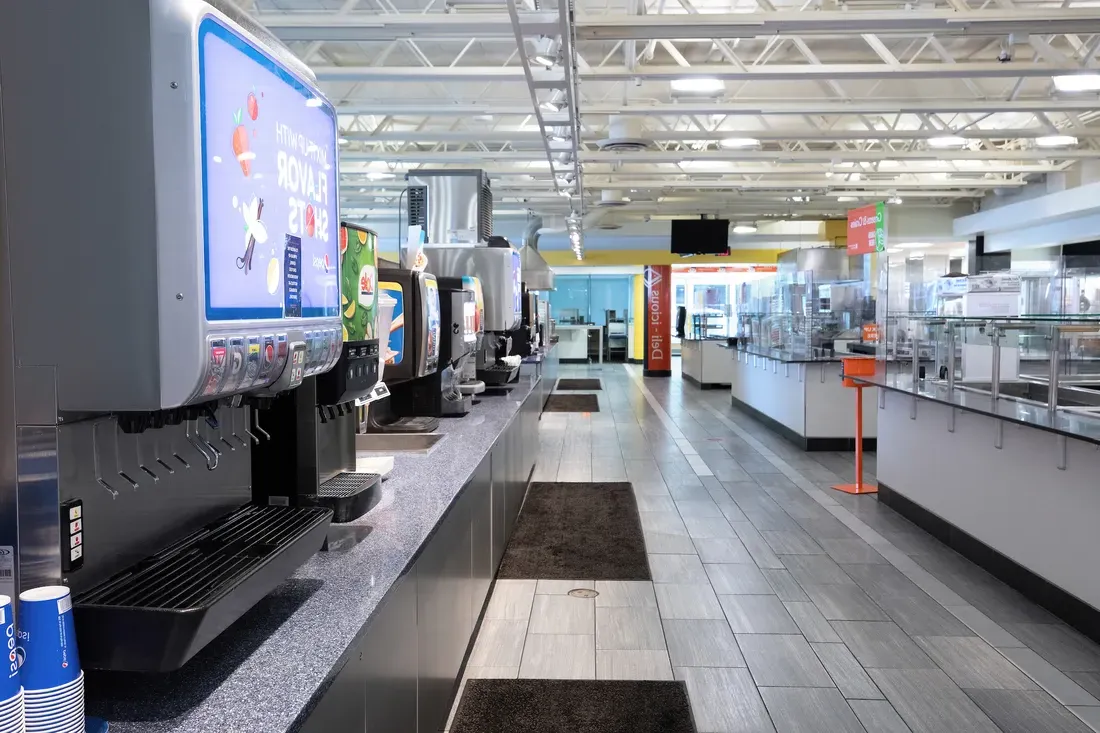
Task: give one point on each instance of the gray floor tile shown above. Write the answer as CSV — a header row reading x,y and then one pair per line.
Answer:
x,y
784,585
677,569
851,551
655,503
777,660
972,663
810,622
1026,712
1090,681
878,716
664,543
560,587
629,628
681,601
815,569
1054,681
553,614
724,700
665,522
1060,645
757,615
760,551
687,492
791,542
1090,716
558,657
849,676
698,508
844,603
511,600
826,528
499,644
922,616
632,664
625,593
881,644
882,581
985,627
809,710
706,528
694,643
929,702
723,550
737,579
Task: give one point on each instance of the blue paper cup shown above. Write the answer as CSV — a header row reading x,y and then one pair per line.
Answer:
x,y
48,638
13,654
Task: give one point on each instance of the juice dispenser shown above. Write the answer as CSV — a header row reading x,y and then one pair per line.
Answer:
x,y
185,271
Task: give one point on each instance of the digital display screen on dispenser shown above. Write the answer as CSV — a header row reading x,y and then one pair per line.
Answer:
x,y
395,351
431,299
269,188
517,285
358,282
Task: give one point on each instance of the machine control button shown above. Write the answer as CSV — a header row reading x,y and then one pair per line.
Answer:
x,y
76,540
75,512
215,366
76,553
76,526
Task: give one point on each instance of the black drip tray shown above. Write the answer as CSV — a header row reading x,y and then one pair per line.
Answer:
x,y
497,374
162,611
348,495
408,425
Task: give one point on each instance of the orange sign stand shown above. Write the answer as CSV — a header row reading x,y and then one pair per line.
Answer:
x,y
858,367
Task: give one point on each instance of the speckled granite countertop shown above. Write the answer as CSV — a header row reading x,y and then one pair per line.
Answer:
x,y
261,674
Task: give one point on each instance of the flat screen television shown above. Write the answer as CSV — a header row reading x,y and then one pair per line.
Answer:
x,y
700,236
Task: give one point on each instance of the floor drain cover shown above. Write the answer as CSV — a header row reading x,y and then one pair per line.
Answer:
x,y
583,593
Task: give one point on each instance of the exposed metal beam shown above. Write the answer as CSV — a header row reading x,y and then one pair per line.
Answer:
x,y
832,72
799,156
840,22
421,26
544,78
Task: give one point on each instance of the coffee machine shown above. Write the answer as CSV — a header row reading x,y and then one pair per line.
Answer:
x,y
184,281
525,339
412,353
497,267
310,459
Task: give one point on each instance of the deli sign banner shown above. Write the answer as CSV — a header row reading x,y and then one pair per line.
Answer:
x,y
867,229
658,321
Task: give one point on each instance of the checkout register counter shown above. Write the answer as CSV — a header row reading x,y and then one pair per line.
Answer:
x,y
994,450
706,362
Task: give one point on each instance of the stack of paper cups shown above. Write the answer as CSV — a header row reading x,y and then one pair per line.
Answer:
x,y
11,694
53,683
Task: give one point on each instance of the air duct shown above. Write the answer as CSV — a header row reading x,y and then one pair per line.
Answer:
x,y
536,273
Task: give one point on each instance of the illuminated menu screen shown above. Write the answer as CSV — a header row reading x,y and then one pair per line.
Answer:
x,y
270,220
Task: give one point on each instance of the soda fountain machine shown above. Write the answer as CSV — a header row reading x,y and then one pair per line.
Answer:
x,y
187,272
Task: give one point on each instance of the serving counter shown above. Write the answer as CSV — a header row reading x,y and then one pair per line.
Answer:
x,y
372,636
801,396
573,342
1007,483
706,362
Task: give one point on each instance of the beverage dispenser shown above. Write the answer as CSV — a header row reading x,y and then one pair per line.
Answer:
x,y
168,262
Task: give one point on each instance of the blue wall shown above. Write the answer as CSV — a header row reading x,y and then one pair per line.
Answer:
x,y
592,295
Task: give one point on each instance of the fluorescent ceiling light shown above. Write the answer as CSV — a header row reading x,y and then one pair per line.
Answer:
x,y
314,102
549,107
946,141
701,84
744,228
740,142
543,60
379,175
1077,83
894,200
1055,141
893,250
846,199
915,245
342,141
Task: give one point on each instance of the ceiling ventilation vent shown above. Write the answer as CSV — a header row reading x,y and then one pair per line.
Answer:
x,y
612,199
625,135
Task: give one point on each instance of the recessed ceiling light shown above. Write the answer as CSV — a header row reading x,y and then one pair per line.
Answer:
x,y
1055,141
744,228
893,250
1077,83
946,141
915,245
740,142
700,84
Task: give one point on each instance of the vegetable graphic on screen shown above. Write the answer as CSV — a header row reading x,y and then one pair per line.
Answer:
x,y
255,232
241,146
311,222
253,106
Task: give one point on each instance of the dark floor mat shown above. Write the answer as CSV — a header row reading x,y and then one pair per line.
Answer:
x,y
570,531
573,706
572,403
578,384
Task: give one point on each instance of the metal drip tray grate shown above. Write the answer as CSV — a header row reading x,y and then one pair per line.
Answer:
x,y
346,484
159,613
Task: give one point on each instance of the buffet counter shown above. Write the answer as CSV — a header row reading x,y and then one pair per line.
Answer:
x,y
706,362
801,397
1007,486
372,636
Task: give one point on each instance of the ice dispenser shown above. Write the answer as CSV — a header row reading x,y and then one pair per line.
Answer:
x,y
183,270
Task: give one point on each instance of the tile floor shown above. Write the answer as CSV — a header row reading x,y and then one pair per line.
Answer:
x,y
784,606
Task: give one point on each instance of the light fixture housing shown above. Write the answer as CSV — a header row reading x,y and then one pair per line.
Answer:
x,y
946,141
1055,141
746,228
698,85
1077,82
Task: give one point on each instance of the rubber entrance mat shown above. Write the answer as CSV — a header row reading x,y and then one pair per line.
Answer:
x,y
578,384
567,531
573,706
571,403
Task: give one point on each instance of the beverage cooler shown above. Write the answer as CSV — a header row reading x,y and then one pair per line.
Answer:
x,y
170,252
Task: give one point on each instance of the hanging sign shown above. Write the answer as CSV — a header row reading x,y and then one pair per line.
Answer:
x,y
867,229
658,321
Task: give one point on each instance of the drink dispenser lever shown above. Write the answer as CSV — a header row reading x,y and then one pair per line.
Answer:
x,y
211,459
141,463
95,461
156,456
118,461
233,425
256,425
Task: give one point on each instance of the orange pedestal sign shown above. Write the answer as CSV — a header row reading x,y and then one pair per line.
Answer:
x,y
858,367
